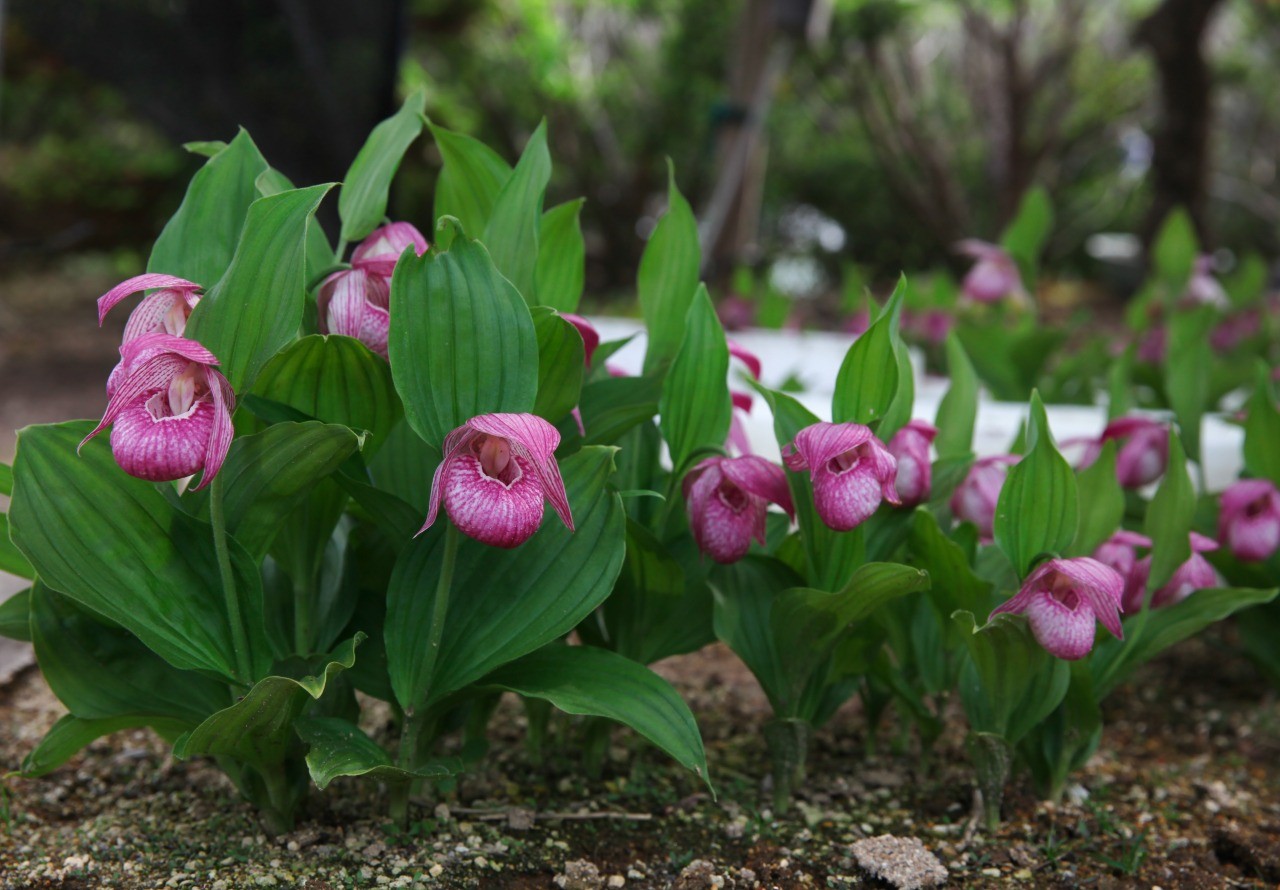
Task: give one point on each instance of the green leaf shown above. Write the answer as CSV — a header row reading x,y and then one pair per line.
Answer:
x,y
363,201
259,727
596,682
100,671
6,479
668,277
205,148
561,268
116,545
868,378
958,410
319,252
505,603
71,734
1101,502
744,595
1169,517
462,341
561,364
256,307
11,560
1186,383
1262,430
340,748
1175,251
1113,659
1024,237
614,405
1038,509
15,616
470,181
898,414
512,231
695,408
336,380
953,583
1120,385
200,239
406,466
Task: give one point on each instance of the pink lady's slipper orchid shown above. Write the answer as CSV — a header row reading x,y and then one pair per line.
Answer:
x,y
739,441
165,311
974,499
1194,574
356,303
1144,450
590,336
994,277
497,471
728,498
1249,522
1120,552
377,254
910,448
170,410
1064,599
851,470
1202,288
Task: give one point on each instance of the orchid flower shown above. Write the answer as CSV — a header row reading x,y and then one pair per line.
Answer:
x,y
1194,574
496,472
974,499
1120,552
1249,522
1064,599
738,440
1202,288
910,448
851,470
378,252
728,498
994,277
356,303
170,411
166,310
1144,450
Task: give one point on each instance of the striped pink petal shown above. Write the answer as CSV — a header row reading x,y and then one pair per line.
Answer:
x,y
148,281
722,516
747,357
1063,598
910,448
760,478
1249,521
148,445
379,252
850,468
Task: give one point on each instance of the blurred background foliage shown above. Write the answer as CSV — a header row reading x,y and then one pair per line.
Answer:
x,y
907,125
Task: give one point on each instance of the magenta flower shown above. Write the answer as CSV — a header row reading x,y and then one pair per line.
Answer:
x,y
1249,522
356,303
496,472
590,336
170,411
1194,574
165,311
1202,288
910,448
738,440
1154,344
377,253
974,499
1144,450
1064,599
851,470
1120,552
728,498
994,277
747,357
930,326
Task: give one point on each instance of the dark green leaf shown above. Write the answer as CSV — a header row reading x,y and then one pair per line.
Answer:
x,y
6,479
1101,502
614,405
470,181
1186,383
199,240
11,560
256,307
599,683
1169,516
319,251
958,410
695,408
898,414
868,378
340,748
561,364
363,201
70,734
744,595
15,616
953,583
1262,430
512,231
561,268
668,277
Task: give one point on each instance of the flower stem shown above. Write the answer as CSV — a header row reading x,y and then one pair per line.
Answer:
x,y
414,715
239,640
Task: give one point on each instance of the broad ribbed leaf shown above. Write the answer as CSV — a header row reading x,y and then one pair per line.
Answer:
x,y
71,734
362,202
405,466
256,307
337,380
1169,517
599,683
505,603
1185,379
612,406
199,240
898,414
469,183
1101,502
15,616
561,268
561,361
695,408
744,594
462,341
319,251
99,671
1038,509
868,378
258,728
11,560
668,277
340,748
953,583
958,410
117,546
512,231
1262,430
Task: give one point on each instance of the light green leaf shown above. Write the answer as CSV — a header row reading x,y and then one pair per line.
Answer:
x,y
1186,383
1175,251
1262,430
695,408
512,231
362,202
319,251
1025,236
462,341
1101,502
206,148
561,269
470,181
1169,517
668,277
953,583
561,364
340,748
868,378
958,410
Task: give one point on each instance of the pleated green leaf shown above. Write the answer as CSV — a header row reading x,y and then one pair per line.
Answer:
x,y
11,560
362,203
695,408
612,406
561,269
511,233
1101,502
668,277
1169,517
561,364
958,410
256,307
867,382
469,183
599,683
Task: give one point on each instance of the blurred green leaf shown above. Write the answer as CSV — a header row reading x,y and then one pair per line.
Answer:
x,y
958,410
1101,502
511,234
1169,516
362,203
695,408
469,183
868,378
668,277
561,268
561,363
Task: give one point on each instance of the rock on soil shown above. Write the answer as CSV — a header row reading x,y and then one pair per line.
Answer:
x,y
580,874
900,861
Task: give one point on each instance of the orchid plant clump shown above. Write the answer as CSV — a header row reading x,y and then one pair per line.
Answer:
x,y
410,472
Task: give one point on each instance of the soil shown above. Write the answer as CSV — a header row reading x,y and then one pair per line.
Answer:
x,y
1184,792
